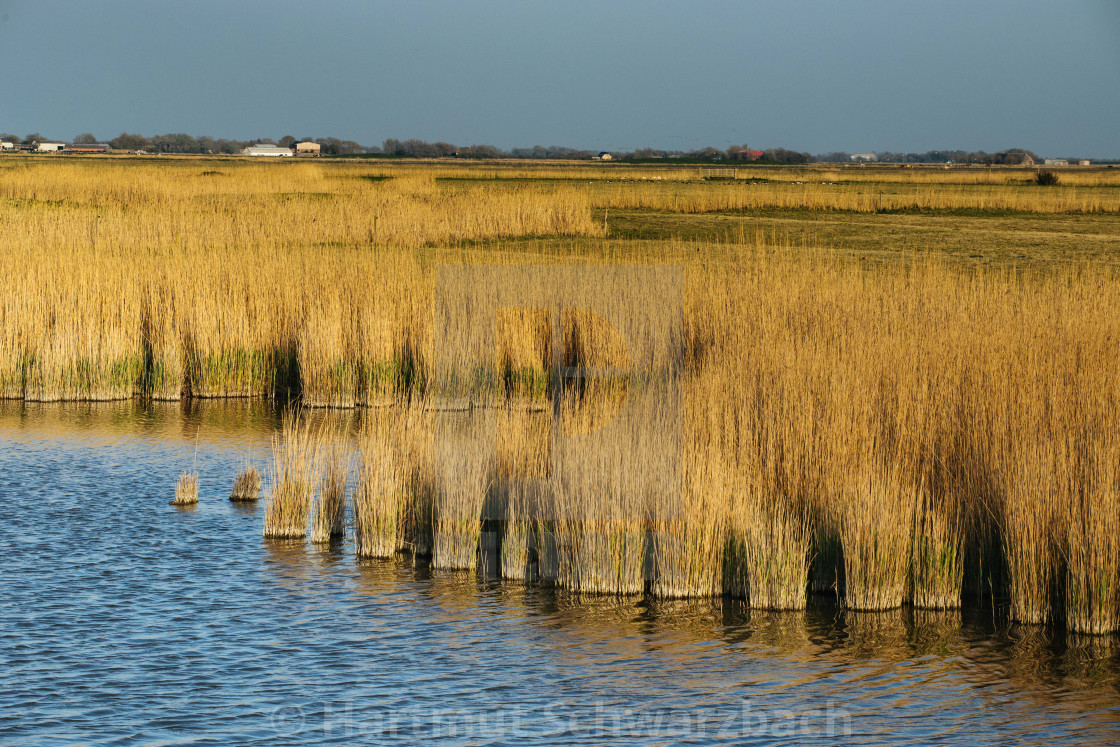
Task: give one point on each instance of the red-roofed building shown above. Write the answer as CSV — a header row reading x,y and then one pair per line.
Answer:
x,y
745,154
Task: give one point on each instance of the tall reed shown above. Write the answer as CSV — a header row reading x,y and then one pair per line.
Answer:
x,y
378,499
462,482
328,520
295,469
1092,541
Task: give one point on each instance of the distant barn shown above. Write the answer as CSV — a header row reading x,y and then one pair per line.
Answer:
x,y
266,150
50,147
308,149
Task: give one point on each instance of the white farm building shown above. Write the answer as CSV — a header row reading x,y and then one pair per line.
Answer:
x,y
266,150
50,147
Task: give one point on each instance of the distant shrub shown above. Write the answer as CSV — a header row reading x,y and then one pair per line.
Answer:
x,y
1046,178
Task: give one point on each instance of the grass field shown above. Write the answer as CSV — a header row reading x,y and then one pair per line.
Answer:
x,y
896,385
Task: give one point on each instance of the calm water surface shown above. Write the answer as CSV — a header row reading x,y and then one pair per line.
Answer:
x,y
124,620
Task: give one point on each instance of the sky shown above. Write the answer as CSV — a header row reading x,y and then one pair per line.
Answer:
x,y
809,75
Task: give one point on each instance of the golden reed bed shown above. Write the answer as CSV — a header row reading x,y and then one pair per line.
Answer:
x,y
897,434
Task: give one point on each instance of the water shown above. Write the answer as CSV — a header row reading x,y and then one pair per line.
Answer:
x,y
124,620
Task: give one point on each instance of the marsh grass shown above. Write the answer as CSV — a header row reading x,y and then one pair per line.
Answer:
x,y
295,469
519,529
462,483
247,485
937,556
876,534
378,499
910,417
1028,533
186,489
328,520
1091,520
768,554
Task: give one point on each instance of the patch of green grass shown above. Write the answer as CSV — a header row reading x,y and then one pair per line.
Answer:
x,y
990,237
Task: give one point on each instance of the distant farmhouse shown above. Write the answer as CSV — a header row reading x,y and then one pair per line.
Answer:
x,y
49,147
5,145
307,149
865,158
604,156
266,149
744,154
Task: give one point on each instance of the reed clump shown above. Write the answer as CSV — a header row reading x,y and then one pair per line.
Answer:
x,y
295,469
186,489
328,520
768,554
246,486
875,531
462,483
937,556
379,500
1091,542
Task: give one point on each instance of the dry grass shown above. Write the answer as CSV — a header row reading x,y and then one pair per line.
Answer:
x,y
1091,519
898,433
293,474
328,520
186,489
378,499
462,482
247,485
700,197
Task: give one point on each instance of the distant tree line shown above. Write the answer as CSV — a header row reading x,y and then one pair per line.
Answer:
x,y
1011,157
414,148
178,142
422,149
182,143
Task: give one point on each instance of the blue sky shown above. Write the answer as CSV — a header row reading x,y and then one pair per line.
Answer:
x,y
816,76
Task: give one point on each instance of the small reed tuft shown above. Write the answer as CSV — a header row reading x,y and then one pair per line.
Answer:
x,y
247,486
186,490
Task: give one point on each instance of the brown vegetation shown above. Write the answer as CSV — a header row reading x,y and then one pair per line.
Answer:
x,y
898,433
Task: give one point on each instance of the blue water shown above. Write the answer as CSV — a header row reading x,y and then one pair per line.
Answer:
x,y
124,620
